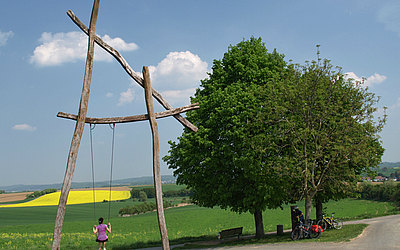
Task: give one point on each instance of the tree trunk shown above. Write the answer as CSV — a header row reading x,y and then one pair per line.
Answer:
x,y
259,224
318,207
308,205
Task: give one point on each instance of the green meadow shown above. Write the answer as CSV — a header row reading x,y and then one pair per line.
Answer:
x,y
32,227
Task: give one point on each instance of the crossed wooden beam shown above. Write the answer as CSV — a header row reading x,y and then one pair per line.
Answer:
x,y
136,77
81,119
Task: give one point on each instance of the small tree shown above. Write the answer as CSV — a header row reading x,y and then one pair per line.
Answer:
x,y
331,130
142,196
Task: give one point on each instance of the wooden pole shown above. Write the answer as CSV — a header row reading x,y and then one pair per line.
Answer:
x,y
133,118
80,124
156,158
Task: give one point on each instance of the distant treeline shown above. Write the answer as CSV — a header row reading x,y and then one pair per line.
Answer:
x,y
388,191
143,208
150,193
40,193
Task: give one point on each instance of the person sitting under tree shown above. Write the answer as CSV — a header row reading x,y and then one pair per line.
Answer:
x,y
299,214
102,236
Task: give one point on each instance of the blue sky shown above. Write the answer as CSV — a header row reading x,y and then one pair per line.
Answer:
x,y
42,60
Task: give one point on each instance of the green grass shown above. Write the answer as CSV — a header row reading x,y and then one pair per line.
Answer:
x,y
23,228
347,233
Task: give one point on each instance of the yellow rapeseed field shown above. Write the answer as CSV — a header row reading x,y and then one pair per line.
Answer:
x,y
74,197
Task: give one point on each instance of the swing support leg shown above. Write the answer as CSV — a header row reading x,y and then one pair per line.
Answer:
x,y
76,139
156,158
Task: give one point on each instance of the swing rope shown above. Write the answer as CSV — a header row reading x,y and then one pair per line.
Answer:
x,y
92,126
112,126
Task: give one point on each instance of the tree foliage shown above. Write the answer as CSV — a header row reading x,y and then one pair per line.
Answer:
x,y
37,194
331,128
271,132
142,196
220,162
143,208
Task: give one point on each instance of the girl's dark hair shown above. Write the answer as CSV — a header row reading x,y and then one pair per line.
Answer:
x,y
101,220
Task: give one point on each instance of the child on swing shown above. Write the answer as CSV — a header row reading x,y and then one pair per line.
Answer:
x,y
102,236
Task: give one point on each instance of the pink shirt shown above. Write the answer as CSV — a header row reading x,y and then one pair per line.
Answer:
x,y
101,229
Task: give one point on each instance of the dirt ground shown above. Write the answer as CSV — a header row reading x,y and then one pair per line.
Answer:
x,y
13,196
10,197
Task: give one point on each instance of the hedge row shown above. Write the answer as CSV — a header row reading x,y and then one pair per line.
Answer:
x,y
40,193
178,193
388,191
150,192
142,208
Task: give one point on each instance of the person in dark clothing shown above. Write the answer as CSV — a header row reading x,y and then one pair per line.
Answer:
x,y
299,214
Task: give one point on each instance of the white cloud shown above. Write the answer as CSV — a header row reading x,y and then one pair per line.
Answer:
x,y
369,81
109,95
375,79
59,48
24,127
178,75
179,70
396,105
119,44
389,16
178,97
4,36
126,97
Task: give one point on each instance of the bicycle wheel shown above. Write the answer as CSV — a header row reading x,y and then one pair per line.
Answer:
x,y
337,223
315,234
295,235
322,223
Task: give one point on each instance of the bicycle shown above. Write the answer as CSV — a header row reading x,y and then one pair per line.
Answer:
x,y
305,231
330,222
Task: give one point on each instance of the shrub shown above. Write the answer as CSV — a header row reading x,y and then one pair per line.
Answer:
x,y
142,208
388,191
150,192
37,194
142,196
178,193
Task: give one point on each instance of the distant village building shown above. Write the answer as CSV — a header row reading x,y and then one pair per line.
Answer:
x,y
379,179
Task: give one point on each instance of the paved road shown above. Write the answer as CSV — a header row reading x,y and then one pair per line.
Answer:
x,y
382,233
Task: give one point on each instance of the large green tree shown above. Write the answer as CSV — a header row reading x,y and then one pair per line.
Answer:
x,y
230,161
329,122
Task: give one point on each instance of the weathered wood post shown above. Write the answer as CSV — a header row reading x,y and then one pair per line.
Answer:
x,y
293,216
80,124
156,158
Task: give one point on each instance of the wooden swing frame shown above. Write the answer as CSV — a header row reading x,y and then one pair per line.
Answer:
x,y
81,119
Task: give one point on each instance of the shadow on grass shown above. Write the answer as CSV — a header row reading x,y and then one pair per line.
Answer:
x,y
347,233
180,241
